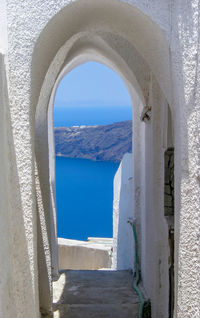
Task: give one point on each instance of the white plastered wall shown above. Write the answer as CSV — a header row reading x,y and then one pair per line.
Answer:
x,y
154,228
123,245
36,32
5,249
17,284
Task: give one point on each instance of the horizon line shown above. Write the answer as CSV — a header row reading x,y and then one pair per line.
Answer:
x,y
63,103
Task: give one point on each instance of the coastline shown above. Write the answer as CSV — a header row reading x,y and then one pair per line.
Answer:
x,y
91,159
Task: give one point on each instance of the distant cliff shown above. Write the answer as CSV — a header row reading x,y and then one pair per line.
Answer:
x,y
103,143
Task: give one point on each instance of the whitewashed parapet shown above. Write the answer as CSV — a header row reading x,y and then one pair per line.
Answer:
x,y
123,247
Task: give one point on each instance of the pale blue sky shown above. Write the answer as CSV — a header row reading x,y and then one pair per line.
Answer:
x,y
92,83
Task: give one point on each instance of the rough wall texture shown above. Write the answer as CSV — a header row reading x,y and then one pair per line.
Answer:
x,y
6,258
16,289
45,36
185,49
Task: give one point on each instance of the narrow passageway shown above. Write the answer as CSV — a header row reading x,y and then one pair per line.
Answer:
x,y
95,294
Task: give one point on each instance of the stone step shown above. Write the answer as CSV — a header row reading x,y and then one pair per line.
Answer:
x,y
95,294
97,311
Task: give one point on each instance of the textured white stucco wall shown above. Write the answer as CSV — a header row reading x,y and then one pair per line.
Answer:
x,y
185,48
5,248
16,290
165,35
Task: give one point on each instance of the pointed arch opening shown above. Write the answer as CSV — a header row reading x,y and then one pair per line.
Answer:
x,y
123,38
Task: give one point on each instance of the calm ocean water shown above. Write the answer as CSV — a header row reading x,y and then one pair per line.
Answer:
x,y
84,188
84,194
88,115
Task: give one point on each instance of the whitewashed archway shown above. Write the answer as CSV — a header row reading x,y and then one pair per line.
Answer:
x,y
108,40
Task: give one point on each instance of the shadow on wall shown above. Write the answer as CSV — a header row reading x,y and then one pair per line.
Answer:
x,y
43,250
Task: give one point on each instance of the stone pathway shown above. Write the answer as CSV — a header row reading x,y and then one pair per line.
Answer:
x,y
95,294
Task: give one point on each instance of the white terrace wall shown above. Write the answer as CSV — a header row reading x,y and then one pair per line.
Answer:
x,y
123,244
154,45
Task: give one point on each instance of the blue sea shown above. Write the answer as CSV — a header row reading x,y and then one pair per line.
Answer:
x,y
84,194
84,188
87,115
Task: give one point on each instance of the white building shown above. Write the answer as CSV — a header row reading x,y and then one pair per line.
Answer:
x,y
154,46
